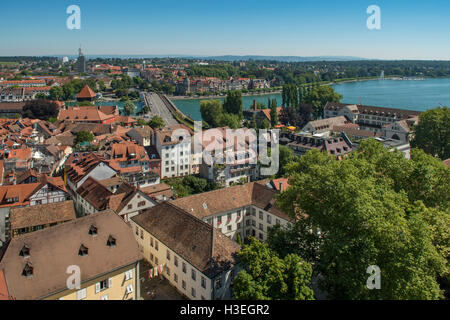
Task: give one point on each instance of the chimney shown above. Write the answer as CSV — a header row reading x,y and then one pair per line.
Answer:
x,y
281,186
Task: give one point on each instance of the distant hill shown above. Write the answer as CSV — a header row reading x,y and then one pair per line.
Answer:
x,y
281,58
230,58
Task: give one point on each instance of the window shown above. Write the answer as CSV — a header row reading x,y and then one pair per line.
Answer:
x,y
183,284
81,294
277,221
239,225
156,245
27,270
168,255
183,267
83,251
111,242
141,204
261,237
103,285
129,288
130,206
93,230
261,227
254,223
25,252
248,222
193,292
175,278
137,231
203,281
261,215
151,257
105,297
151,242
156,260
129,275
142,234
229,228
193,275
167,270
269,219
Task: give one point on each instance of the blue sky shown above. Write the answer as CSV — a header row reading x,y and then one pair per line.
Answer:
x,y
409,29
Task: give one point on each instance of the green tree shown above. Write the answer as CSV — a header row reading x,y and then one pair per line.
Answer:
x,y
145,109
233,103
286,156
319,96
156,122
56,93
273,114
211,110
366,217
40,109
228,119
268,277
41,96
432,134
84,136
129,108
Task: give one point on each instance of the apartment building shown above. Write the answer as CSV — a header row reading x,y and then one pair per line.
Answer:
x,y
173,145
228,157
81,166
368,117
247,210
100,247
48,190
132,162
199,261
126,200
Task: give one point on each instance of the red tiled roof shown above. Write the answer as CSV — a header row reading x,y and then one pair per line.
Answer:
x,y
86,93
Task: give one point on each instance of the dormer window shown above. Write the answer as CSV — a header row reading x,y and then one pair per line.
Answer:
x,y
27,270
25,252
93,230
83,251
111,241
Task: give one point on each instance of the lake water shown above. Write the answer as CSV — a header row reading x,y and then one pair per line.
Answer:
x,y
139,105
413,95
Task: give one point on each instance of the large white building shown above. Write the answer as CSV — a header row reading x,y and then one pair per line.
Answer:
x,y
173,144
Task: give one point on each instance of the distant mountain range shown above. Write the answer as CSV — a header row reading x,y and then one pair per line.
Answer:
x,y
229,58
281,58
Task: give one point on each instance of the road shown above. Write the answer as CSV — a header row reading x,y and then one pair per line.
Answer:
x,y
158,107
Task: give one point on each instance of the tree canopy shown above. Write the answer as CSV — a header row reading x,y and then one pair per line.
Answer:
x,y
432,134
156,122
319,96
233,103
129,108
372,208
269,277
40,109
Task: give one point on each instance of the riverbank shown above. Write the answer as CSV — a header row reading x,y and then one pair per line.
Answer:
x,y
250,94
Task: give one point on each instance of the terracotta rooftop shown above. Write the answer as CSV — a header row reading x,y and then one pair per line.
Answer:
x,y
209,203
86,93
53,249
42,214
197,242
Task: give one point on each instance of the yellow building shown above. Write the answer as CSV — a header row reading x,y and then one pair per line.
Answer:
x,y
99,250
198,260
